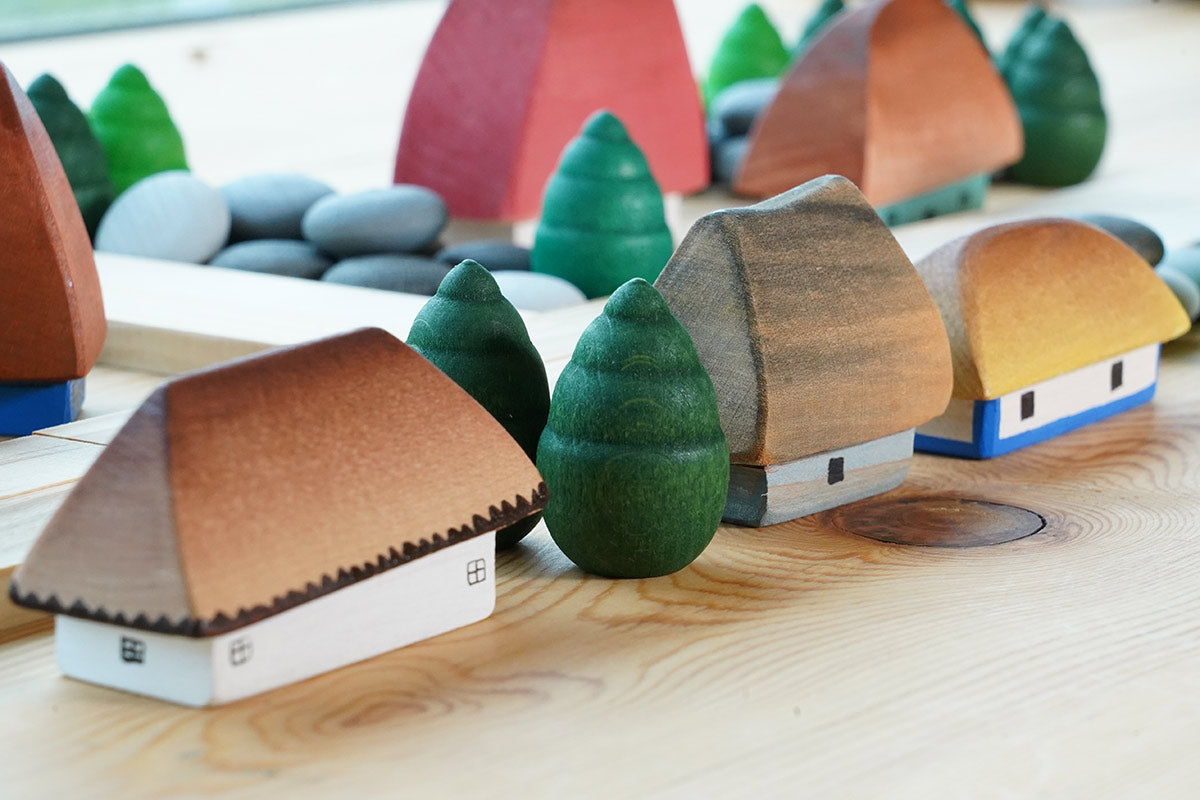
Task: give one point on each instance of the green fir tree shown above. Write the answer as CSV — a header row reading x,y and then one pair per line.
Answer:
x,y
1029,23
469,331
132,122
816,23
633,454
751,48
602,214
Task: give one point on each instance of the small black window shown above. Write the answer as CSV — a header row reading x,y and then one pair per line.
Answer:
x,y
1027,405
1118,375
837,470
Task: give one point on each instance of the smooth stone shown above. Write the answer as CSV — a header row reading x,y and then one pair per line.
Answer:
x,y
1185,260
735,108
492,254
535,291
400,219
727,156
172,215
274,256
1141,238
271,205
1186,291
411,274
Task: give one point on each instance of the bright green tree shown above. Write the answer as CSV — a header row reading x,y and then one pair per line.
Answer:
x,y
816,23
78,149
132,122
751,48
602,213
469,331
633,454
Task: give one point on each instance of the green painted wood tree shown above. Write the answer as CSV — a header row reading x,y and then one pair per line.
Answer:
x,y
633,453
816,23
132,122
78,149
964,13
1032,19
602,214
751,48
469,331
1058,97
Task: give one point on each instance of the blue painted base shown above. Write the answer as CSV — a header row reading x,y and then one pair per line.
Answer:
x,y
957,196
986,426
28,407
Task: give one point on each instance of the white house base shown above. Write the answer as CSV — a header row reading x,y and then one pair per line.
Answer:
x,y
444,590
781,492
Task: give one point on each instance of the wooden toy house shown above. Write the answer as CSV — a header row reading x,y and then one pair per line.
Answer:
x,y
264,521
52,322
504,86
823,345
901,98
1053,324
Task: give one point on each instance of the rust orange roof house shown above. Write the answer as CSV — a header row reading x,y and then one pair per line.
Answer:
x,y
264,521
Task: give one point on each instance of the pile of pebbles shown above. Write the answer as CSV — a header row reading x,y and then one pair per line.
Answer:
x,y
731,115
293,225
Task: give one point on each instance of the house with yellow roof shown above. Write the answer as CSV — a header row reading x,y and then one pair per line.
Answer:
x,y
1053,324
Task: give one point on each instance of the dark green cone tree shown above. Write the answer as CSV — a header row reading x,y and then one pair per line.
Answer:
x,y
1032,19
132,122
816,23
751,48
469,331
633,454
602,214
1058,97
78,149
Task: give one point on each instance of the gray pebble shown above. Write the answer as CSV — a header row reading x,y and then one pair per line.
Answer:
x,y
399,219
735,107
1185,260
535,291
493,254
1140,238
412,274
275,256
727,156
271,205
1184,288
170,215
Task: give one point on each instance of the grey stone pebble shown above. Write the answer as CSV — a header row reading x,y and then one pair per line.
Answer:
x,y
274,256
733,111
398,219
492,254
1184,288
1140,238
271,205
534,291
1185,260
727,156
412,274
170,215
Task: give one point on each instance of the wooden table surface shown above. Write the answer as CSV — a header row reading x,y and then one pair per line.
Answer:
x,y
800,660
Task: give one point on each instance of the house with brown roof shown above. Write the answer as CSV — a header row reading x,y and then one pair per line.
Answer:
x,y
267,520
1053,324
824,347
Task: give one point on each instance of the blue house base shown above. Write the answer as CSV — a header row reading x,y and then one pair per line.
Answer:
x,y
985,428
28,407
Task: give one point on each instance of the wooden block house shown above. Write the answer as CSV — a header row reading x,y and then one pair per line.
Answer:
x,y
1053,324
52,322
264,521
823,345
900,97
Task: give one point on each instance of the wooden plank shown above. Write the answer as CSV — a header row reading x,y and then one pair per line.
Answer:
x,y
94,430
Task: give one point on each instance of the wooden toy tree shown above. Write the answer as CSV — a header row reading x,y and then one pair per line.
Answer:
x,y
504,85
469,331
602,218
132,122
52,314
751,48
633,454
80,152
816,23
1058,97
1032,19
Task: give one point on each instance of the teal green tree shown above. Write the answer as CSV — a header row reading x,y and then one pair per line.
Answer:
x,y
633,454
1029,23
132,122
602,214
78,149
816,23
960,8
1058,97
751,48
469,331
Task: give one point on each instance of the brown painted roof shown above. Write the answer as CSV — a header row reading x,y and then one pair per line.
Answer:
x,y
813,324
1025,301
51,315
237,492
897,95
